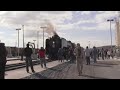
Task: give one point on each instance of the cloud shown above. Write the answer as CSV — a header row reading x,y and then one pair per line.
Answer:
x,y
93,42
102,17
77,25
85,12
99,22
33,34
33,20
85,21
1,33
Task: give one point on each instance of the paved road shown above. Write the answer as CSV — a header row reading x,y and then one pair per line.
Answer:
x,y
107,69
20,73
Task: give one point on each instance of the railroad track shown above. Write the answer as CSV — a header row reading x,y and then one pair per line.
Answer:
x,y
14,59
20,65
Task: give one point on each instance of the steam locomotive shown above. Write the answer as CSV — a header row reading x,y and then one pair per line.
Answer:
x,y
53,44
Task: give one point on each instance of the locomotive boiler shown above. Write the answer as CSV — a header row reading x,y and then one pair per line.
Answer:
x,y
53,44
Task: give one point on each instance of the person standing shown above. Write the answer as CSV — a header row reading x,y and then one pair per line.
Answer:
x,y
108,53
28,52
112,54
105,52
87,55
71,55
94,54
67,50
22,56
117,53
98,53
3,54
91,54
42,57
102,53
79,53
60,54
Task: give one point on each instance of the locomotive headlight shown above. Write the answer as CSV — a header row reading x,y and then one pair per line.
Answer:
x,y
53,44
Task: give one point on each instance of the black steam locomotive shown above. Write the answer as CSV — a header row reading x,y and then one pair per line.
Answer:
x,y
53,44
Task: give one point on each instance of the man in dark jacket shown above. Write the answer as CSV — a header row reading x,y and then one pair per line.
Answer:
x,y
94,54
102,53
3,54
28,52
60,54
72,56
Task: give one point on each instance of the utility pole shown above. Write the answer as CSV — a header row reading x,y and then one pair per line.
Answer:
x,y
18,40
110,20
37,39
23,36
34,41
43,35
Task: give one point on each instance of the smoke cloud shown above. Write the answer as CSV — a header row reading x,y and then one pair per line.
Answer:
x,y
50,28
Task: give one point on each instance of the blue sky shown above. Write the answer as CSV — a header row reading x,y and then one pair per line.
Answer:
x,y
77,26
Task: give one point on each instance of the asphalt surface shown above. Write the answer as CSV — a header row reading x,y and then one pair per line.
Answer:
x,y
107,69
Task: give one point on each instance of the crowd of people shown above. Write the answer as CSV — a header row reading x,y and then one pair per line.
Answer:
x,y
74,54
104,53
77,55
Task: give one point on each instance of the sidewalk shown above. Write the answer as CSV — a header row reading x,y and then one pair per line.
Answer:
x,y
107,69
64,71
20,73
16,62
12,58
103,69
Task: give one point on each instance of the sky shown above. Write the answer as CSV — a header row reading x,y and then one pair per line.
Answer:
x,y
84,27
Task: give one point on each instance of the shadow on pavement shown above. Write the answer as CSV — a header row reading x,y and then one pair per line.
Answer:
x,y
102,65
36,76
46,73
108,64
92,77
59,68
30,73
55,69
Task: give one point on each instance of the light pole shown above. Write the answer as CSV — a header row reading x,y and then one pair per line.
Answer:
x,y
23,36
18,40
34,41
37,39
110,20
43,35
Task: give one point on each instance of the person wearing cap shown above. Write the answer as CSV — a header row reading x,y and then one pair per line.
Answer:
x,y
3,55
